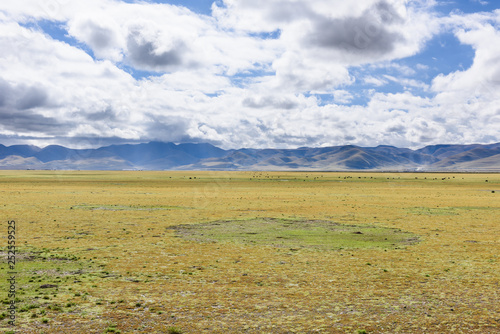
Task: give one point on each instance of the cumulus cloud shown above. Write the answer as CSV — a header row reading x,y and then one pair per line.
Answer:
x,y
18,113
167,129
342,96
269,101
366,31
48,87
367,34
148,52
21,97
481,80
101,34
29,122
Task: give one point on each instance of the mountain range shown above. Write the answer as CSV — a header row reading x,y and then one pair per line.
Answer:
x,y
170,156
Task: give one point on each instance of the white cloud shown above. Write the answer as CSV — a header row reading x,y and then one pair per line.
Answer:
x,y
422,67
371,80
481,80
100,33
407,83
75,85
481,2
322,39
342,96
298,73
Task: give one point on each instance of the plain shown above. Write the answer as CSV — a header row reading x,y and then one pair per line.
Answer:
x,y
108,252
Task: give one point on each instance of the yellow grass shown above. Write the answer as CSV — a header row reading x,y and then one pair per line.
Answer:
x,y
144,278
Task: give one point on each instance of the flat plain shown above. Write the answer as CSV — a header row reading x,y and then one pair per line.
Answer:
x,y
252,252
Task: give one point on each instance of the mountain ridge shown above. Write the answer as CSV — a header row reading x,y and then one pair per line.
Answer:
x,y
203,156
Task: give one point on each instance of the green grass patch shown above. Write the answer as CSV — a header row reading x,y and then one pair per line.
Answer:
x,y
433,211
44,278
294,233
447,211
124,207
174,330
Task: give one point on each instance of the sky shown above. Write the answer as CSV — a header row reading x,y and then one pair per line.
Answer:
x,y
250,73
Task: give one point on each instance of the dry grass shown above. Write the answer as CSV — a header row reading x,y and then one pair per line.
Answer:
x,y
107,239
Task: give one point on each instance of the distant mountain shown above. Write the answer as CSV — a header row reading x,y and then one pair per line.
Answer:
x,y
163,156
19,150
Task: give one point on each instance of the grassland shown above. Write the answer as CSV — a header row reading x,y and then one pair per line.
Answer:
x,y
246,252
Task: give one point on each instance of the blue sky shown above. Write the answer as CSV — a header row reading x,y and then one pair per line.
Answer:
x,y
247,73
197,6
466,6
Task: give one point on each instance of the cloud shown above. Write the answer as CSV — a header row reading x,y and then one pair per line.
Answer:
x,y
48,87
100,33
368,31
371,80
270,101
21,97
18,104
481,2
481,81
296,73
147,51
396,127
342,96
359,36
28,122
320,40
407,83
105,115
167,129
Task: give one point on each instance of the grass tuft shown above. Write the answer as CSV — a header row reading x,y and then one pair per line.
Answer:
x,y
174,330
